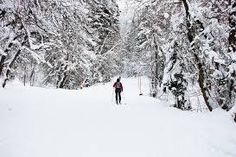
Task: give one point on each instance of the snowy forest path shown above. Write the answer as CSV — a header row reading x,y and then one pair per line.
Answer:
x,y
58,123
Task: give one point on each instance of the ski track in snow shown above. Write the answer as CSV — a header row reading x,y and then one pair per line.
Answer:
x,y
37,122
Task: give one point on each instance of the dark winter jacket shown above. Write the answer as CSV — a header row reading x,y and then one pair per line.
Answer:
x,y
118,86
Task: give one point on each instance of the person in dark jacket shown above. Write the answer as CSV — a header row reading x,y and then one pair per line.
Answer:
x,y
118,89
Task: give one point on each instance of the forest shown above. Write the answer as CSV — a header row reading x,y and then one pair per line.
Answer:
x,y
186,47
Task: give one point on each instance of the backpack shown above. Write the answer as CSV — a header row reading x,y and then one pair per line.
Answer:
x,y
118,85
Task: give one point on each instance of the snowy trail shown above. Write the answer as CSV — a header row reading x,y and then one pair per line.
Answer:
x,y
38,122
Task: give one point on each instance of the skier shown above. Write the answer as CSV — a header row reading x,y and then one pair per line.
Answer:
x,y
118,89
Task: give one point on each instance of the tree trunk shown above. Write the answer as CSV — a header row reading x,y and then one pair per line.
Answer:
x,y
6,51
2,64
31,78
61,83
157,59
9,67
201,76
232,24
201,82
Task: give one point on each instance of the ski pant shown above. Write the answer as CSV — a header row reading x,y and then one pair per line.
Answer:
x,y
118,95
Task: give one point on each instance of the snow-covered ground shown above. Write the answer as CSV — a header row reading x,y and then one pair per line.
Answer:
x,y
37,122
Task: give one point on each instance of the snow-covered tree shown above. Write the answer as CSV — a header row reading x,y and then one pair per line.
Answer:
x,y
104,25
23,40
191,39
60,43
